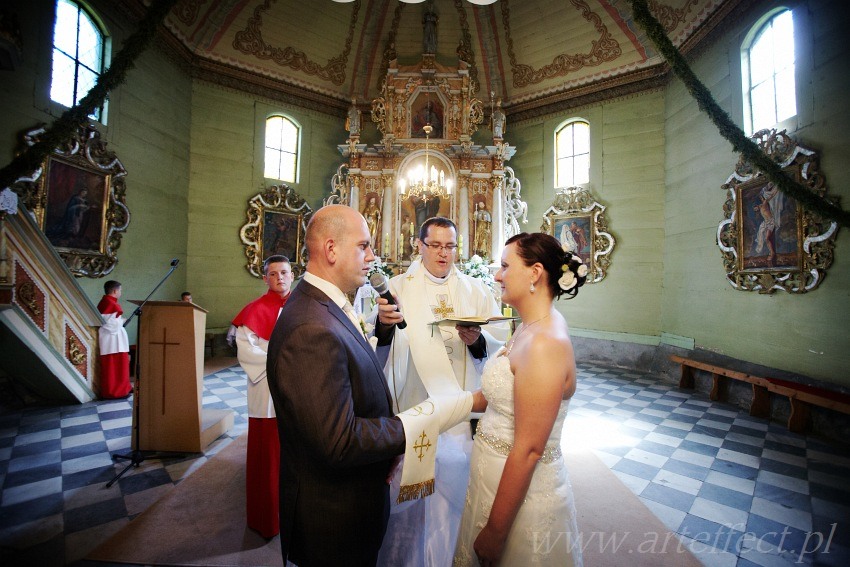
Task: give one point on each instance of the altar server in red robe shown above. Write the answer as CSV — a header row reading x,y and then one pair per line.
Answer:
x,y
254,328
114,345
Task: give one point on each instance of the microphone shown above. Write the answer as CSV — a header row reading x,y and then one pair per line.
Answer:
x,y
381,284
174,262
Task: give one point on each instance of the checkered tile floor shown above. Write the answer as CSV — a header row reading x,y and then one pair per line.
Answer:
x,y
738,490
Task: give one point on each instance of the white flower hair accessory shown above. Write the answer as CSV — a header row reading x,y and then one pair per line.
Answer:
x,y
581,270
567,281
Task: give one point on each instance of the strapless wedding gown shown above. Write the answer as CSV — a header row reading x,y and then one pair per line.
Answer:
x,y
545,530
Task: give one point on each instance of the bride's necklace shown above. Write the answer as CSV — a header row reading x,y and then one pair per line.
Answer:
x,y
518,333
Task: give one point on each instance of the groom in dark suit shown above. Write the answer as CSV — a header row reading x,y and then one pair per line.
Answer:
x,y
338,436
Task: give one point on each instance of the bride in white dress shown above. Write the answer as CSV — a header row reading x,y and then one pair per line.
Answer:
x,y
519,507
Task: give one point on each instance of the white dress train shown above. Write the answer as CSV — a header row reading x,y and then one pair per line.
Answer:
x,y
545,531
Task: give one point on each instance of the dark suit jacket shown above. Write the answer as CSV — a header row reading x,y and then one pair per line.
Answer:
x,y
338,436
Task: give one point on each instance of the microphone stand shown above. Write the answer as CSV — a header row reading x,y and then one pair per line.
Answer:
x,y
136,456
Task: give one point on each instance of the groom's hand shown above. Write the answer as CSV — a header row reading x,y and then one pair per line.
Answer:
x,y
394,468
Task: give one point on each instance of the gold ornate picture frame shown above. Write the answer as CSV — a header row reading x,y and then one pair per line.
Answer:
x,y
77,197
577,220
768,241
277,222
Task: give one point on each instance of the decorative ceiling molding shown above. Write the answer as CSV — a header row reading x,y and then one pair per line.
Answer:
x,y
187,11
239,79
638,81
670,17
697,24
603,49
250,41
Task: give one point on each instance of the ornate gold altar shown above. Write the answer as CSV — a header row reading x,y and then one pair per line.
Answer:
x,y
442,97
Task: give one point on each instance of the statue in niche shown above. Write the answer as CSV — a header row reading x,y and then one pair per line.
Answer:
x,y
483,221
407,238
499,120
372,214
429,37
352,122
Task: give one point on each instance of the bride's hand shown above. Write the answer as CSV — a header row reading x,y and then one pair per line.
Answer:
x,y
488,547
479,402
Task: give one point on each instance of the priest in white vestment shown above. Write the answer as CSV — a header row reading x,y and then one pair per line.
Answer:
x,y
427,360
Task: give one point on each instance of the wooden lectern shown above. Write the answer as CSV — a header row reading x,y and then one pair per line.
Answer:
x,y
169,388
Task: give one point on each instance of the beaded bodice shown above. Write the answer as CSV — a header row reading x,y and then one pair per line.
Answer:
x,y
497,383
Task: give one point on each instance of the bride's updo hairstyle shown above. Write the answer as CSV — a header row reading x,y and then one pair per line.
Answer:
x,y
565,272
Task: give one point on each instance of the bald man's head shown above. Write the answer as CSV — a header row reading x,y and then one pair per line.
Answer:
x,y
328,223
339,245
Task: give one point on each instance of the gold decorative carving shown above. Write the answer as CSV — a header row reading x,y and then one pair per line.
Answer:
x,y
577,220
604,48
770,242
76,354
78,199
28,296
277,222
250,41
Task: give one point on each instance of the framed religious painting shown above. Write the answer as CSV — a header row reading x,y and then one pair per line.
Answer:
x,y
77,198
577,220
74,213
768,241
427,110
277,222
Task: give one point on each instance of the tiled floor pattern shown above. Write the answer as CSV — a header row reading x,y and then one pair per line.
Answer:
x,y
738,490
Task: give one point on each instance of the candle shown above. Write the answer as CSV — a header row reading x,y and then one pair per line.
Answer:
x,y
386,245
460,246
400,246
509,312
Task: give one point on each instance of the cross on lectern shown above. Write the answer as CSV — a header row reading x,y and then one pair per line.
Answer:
x,y
164,344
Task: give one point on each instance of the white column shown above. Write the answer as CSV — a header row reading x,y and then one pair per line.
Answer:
x,y
463,218
497,232
387,217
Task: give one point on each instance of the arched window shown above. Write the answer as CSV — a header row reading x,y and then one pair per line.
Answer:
x,y
768,70
572,154
78,54
281,149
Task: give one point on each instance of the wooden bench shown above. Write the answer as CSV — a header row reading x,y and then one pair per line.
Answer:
x,y
801,396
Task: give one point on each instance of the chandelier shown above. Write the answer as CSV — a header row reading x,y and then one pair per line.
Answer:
x,y
425,182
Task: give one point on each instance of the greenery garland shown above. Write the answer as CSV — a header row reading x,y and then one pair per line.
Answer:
x,y
740,142
64,127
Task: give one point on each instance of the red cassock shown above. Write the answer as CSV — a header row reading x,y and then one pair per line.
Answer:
x,y
114,351
262,479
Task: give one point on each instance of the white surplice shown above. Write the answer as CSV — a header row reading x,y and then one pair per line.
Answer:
x,y
423,532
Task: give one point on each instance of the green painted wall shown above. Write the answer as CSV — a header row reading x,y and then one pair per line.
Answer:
x,y
227,170
193,154
147,127
627,177
805,333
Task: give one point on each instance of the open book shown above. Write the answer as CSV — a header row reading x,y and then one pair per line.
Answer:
x,y
473,321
